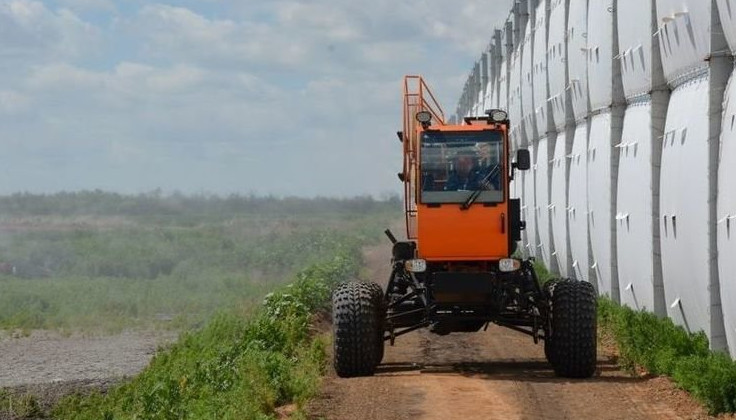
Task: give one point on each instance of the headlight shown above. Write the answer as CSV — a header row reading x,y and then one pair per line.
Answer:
x,y
416,266
508,264
497,115
424,117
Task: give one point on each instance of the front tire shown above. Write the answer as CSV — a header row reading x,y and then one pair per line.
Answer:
x,y
571,346
380,302
356,326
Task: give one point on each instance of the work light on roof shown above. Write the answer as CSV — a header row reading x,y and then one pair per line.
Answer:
x,y
497,115
424,117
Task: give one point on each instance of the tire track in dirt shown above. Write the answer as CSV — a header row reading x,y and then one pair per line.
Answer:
x,y
495,374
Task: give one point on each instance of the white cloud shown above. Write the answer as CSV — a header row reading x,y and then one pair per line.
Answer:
x,y
33,32
89,5
13,102
287,97
64,77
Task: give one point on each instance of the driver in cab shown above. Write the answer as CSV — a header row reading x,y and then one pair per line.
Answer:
x,y
470,176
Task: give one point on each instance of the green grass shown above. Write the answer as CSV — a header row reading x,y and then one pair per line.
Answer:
x,y
109,305
106,272
236,367
19,406
113,280
542,273
663,348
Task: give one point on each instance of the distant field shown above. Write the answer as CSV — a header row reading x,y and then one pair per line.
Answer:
x,y
96,261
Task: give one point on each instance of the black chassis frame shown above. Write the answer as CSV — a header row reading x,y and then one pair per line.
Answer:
x,y
516,300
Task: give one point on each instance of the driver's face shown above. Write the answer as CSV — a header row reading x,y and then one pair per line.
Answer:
x,y
484,151
464,164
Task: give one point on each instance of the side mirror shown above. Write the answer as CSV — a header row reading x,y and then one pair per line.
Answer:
x,y
523,160
401,176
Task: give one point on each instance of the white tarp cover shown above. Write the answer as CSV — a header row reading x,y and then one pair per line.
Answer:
x,y
600,53
515,98
726,214
635,46
600,150
527,210
556,63
558,205
515,188
539,73
490,98
515,191
494,92
503,88
684,36
577,57
684,206
519,185
527,86
634,212
475,110
577,211
480,108
541,191
727,11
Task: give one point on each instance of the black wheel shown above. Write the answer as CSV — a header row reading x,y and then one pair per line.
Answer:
x,y
380,302
355,329
571,346
547,288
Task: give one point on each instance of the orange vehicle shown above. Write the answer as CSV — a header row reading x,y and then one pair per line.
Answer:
x,y
456,271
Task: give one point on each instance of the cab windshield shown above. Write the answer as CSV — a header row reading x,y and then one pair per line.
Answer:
x,y
455,164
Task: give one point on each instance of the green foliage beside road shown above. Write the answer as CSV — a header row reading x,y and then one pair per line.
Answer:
x,y
662,348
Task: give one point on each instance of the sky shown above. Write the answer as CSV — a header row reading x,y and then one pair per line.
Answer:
x,y
287,98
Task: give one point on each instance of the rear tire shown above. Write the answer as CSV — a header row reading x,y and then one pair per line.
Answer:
x,y
356,329
571,346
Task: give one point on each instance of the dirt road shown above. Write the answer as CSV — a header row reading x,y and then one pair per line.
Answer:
x,y
496,374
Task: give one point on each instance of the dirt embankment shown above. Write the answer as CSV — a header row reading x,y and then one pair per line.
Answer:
x,y
496,374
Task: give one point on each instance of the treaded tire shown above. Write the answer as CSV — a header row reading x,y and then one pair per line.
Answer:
x,y
547,288
380,302
355,329
572,346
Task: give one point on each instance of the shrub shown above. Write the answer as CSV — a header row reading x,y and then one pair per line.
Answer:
x,y
663,348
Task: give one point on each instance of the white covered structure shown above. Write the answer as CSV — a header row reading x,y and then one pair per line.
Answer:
x,y
692,47
558,206
577,209
726,211
542,183
624,107
640,149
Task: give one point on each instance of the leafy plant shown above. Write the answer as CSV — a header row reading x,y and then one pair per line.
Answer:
x,y
663,348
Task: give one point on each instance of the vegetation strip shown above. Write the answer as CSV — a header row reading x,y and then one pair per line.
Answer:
x,y
235,367
662,348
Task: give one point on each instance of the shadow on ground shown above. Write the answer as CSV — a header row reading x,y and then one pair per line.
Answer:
x,y
537,370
